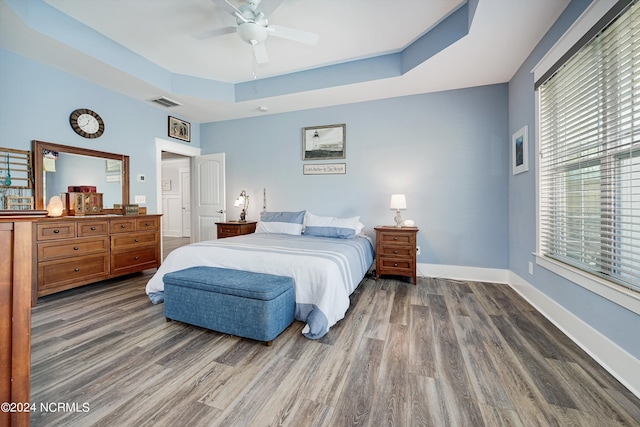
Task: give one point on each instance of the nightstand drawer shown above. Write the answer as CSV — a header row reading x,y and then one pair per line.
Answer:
x,y
397,251
231,229
399,238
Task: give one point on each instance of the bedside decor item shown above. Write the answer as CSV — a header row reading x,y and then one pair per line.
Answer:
x,y
520,150
242,201
398,202
179,129
55,206
86,123
323,142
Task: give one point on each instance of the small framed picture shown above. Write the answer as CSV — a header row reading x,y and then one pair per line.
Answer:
x,y
520,150
323,142
179,129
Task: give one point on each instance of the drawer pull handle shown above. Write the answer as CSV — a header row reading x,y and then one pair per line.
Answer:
x,y
395,264
123,226
395,238
93,229
76,269
137,258
136,240
56,231
395,252
75,248
146,224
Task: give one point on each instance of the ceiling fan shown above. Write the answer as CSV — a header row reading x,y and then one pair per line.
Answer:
x,y
253,28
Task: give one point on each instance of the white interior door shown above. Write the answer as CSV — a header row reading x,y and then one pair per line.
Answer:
x,y
208,196
185,192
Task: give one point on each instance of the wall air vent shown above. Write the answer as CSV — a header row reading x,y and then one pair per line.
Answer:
x,y
165,102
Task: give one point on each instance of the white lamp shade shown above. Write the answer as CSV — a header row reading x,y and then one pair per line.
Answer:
x,y
398,201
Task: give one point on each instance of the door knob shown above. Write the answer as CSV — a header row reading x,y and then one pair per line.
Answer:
x,y
220,211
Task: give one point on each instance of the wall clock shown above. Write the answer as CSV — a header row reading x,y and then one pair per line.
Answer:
x,y
86,123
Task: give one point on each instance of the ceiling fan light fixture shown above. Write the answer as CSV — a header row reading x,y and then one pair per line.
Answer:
x,y
252,33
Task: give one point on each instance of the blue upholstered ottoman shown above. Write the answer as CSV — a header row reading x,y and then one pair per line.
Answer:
x,y
249,305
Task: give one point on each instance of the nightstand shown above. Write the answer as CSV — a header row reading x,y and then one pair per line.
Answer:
x,y
235,228
396,251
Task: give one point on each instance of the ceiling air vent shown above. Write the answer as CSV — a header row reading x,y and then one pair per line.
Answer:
x,y
165,102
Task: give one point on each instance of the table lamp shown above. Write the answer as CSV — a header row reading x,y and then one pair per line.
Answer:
x,y
398,202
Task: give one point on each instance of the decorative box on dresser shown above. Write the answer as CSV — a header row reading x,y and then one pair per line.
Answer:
x,y
16,235
73,251
396,251
235,228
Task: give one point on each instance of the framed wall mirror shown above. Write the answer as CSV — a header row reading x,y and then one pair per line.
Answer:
x,y
56,167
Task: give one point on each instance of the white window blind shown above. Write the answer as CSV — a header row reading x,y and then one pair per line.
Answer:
x,y
589,125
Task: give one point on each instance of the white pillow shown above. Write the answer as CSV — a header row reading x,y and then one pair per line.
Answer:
x,y
281,222
328,226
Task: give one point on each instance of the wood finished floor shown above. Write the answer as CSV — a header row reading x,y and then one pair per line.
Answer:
x,y
443,353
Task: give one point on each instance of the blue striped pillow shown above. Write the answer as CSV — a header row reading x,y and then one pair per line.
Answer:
x,y
281,222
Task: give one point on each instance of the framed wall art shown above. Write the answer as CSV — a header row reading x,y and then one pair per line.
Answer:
x,y
324,142
179,129
520,150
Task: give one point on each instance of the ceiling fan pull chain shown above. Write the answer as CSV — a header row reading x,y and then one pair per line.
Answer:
x,y
254,64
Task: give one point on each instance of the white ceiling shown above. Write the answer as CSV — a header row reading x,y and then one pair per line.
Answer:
x,y
502,34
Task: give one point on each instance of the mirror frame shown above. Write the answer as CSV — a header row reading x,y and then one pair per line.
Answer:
x,y
39,146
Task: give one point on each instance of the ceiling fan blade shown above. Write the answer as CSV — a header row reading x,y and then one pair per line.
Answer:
x,y
214,33
268,7
293,34
260,53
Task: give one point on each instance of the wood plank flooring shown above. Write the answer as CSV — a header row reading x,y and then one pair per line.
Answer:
x,y
442,353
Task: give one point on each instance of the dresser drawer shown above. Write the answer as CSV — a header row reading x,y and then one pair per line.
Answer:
x,y
55,230
123,241
148,224
56,273
93,228
71,248
124,225
135,260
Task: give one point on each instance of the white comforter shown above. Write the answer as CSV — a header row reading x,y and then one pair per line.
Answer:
x,y
325,270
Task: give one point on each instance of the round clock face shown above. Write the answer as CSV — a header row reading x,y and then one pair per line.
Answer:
x,y
87,123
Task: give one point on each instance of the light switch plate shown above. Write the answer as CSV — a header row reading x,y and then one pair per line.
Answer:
x,y
141,199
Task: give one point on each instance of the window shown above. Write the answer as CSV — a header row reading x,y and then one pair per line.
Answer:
x,y
589,133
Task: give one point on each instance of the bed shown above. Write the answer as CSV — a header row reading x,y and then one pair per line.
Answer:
x,y
326,270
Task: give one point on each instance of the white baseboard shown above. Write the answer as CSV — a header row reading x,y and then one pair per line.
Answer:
x,y
623,366
457,272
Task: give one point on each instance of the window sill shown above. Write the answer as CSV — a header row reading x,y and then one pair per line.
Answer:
x,y
614,293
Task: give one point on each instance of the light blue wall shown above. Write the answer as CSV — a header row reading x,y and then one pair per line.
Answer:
x,y
36,101
617,323
448,152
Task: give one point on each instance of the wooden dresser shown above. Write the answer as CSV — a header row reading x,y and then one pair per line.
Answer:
x,y
74,251
396,251
235,228
16,234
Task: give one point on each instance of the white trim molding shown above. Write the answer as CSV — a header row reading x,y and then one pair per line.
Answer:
x,y
458,272
580,27
619,363
614,359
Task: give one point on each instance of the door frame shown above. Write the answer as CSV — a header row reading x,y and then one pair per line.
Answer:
x,y
171,147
